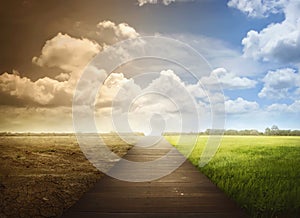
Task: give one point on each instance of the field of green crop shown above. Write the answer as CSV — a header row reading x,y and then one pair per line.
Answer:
x,y
261,173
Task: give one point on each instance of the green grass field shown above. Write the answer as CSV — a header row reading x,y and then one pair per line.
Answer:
x,y
261,173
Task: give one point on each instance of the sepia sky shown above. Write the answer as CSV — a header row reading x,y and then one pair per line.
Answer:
x,y
253,48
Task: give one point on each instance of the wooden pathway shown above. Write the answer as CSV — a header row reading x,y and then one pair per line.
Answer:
x,y
184,193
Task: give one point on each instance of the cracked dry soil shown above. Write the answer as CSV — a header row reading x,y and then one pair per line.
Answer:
x,y
42,176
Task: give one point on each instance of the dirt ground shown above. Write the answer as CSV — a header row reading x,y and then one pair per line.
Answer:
x,y
42,176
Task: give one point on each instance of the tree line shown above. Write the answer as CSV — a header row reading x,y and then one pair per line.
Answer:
x,y
273,131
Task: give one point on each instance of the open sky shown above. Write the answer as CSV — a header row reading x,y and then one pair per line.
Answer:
x,y
252,46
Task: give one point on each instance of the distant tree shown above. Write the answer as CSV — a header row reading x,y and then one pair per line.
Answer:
x,y
267,131
295,133
254,132
248,132
285,132
214,131
275,130
231,132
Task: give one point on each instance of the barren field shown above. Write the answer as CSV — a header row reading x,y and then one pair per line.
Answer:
x,y
41,176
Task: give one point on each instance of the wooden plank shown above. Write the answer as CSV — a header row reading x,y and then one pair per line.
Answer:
x,y
150,215
183,193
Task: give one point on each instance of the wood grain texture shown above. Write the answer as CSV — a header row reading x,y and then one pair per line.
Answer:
x,y
184,193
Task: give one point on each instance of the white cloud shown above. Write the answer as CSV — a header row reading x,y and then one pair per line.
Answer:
x,y
165,2
227,80
240,106
258,8
72,54
116,90
62,77
44,91
172,88
282,78
112,32
167,95
280,84
278,41
285,108
121,92
67,53
143,2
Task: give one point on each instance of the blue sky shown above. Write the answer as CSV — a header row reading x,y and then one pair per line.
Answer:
x,y
211,18
230,24
252,46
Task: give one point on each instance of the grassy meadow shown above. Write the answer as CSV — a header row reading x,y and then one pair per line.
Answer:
x,y
261,173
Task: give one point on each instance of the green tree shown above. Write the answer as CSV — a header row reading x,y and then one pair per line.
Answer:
x,y
275,130
267,131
